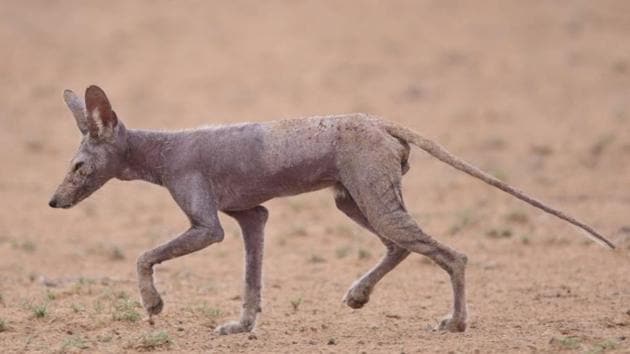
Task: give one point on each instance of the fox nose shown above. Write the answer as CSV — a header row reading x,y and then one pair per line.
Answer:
x,y
53,203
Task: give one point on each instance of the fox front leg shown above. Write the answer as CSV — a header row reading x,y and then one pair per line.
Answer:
x,y
192,194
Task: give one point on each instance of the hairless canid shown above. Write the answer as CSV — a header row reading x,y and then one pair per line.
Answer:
x,y
235,168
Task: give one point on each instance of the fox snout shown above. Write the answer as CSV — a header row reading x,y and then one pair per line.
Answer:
x,y
56,203
74,188
64,197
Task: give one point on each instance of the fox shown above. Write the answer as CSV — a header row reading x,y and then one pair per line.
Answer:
x,y
235,168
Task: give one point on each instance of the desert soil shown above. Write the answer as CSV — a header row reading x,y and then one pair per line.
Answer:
x,y
536,92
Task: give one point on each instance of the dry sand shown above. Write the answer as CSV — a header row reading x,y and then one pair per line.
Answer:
x,y
536,92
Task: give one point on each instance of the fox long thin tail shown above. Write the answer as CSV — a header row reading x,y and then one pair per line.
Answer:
x,y
445,156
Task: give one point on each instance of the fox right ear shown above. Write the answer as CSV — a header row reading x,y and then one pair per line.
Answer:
x,y
77,107
101,119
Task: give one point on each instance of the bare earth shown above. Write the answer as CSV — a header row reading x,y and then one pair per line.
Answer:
x,y
538,93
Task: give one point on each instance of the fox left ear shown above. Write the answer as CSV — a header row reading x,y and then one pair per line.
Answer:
x,y
77,107
101,119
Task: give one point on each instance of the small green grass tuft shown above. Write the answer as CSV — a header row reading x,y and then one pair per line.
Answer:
x,y
316,259
295,303
104,338
209,312
566,342
299,231
116,254
125,310
603,346
40,311
499,233
463,219
600,145
121,295
98,306
25,245
86,281
363,254
517,217
76,308
74,342
154,340
3,325
342,252
29,246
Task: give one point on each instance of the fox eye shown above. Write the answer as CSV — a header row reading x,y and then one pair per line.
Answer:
x,y
77,166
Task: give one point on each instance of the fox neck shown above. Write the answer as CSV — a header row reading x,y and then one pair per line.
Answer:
x,y
145,155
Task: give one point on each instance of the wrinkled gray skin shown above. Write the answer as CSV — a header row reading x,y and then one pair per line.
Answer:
x,y
235,168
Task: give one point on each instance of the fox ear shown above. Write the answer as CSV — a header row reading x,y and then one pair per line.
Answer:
x,y
77,107
101,120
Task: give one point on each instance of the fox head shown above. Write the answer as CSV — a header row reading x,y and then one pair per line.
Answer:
x,y
101,154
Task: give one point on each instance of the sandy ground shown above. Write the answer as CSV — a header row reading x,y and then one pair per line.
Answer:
x,y
537,93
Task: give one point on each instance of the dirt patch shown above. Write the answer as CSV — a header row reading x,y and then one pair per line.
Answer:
x,y
536,93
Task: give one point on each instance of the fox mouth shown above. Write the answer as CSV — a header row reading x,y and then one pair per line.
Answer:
x,y
57,205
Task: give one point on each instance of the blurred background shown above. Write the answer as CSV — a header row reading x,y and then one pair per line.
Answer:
x,y
537,93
